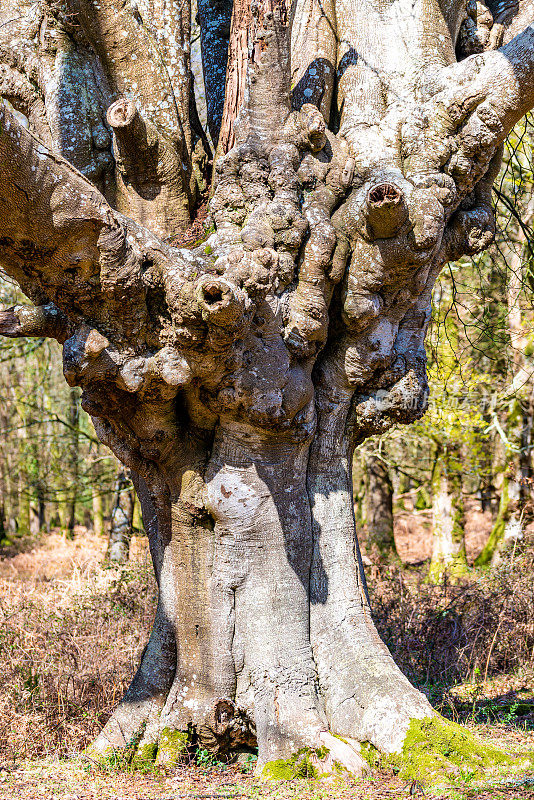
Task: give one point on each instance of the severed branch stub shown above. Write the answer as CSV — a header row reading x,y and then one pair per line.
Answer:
x,y
386,210
39,321
152,182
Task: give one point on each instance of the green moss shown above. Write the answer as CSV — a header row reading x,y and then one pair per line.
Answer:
x,y
145,755
172,746
339,769
298,766
436,751
208,250
424,500
111,758
369,752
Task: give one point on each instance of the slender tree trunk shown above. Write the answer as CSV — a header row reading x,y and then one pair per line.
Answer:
x,y
379,509
98,511
23,514
508,524
120,532
73,465
448,537
517,462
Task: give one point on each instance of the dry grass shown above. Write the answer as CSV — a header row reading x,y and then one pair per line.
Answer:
x,y
71,637
74,781
468,631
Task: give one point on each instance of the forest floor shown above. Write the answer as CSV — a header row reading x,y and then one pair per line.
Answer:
x,y
72,631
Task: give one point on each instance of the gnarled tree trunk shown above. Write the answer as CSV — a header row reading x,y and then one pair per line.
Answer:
x,y
235,377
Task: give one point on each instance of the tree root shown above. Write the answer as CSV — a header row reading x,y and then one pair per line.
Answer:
x,y
438,752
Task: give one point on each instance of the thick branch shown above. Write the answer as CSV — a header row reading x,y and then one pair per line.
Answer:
x,y
510,17
55,81
145,56
151,182
41,321
258,83
507,77
313,54
51,220
236,73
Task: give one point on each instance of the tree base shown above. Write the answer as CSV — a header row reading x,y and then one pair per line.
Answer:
x,y
436,753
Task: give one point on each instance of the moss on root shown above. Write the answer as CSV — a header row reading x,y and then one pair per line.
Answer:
x,y
303,764
172,747
145,755
437,751
371,755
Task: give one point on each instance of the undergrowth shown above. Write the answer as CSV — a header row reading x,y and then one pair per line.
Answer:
x,y
73,631
71,637
478,631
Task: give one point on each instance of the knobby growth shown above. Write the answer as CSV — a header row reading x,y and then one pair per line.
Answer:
x,y
235,376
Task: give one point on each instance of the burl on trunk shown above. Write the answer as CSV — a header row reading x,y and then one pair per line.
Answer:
x,y
235,376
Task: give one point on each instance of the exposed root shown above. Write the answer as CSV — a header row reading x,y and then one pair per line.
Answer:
x,y
332,756
436,752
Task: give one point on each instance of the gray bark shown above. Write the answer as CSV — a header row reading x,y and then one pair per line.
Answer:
x,y
235,377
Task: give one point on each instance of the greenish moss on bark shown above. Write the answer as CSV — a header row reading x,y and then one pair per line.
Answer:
x,y
436,751
370,754
172,746
145,755
299,765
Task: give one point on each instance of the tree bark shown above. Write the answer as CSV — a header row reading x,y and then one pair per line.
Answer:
x,y
379,509
448,539
234,378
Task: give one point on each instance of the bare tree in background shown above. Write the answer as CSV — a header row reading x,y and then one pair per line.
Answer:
x,y
234,377
120,533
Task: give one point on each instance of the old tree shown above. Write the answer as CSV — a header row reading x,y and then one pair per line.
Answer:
x,y
234,363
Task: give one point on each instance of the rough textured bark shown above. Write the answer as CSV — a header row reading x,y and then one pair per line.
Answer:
x,y
236,376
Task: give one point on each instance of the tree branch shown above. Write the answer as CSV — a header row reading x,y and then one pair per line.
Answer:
x,y
151,183
313,54
144,57
41,321
510,17
236,74
51,219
